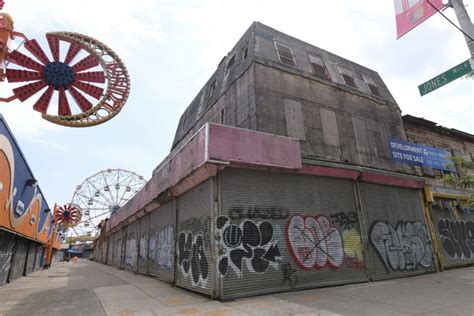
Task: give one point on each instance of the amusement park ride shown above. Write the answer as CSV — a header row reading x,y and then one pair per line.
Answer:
x,y
79,82
89,80
95,199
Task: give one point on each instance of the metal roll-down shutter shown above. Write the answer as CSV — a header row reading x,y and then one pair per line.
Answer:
x,y
400,244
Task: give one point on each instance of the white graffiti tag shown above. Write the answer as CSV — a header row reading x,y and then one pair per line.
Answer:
x,y
162,247
404,248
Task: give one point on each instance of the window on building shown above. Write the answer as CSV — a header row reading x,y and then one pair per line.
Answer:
x,y
319,67
210,92
184,118
223,116
348,77
244,53
372,86
285,54
229,64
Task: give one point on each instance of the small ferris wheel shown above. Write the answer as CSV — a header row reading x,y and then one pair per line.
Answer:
x,y
101,195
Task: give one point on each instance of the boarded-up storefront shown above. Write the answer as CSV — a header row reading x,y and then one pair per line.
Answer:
x,y
30,261
131,246
279,232
7,245
19,258
453,224
161,242
400,244
143,245
194,269
248,232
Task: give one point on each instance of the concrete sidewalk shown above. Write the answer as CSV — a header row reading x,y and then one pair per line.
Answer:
x,y
90,288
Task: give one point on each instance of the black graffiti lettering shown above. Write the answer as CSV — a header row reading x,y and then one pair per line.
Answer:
x,y
199,265
221,221
249,241
259,264
405,247
232,236
345,220
457,238
224,265
184,246
289,274
192,258
274,213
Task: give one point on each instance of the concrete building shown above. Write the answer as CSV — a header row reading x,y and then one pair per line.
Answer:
x,y
26,221
274,83
451,216
280,177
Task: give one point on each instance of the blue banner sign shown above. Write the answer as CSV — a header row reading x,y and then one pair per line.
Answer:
x,y
421,155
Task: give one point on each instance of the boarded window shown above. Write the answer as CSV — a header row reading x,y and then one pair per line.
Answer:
x,y
244,53
285,54
210,92
372,86
349,81
230,62
348,77
319,67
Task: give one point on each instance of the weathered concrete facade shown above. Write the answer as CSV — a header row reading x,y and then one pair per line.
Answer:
x,y
252,88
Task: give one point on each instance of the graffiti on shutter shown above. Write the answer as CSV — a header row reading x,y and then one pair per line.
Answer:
x,y
192,259
404,247
251,242
457,238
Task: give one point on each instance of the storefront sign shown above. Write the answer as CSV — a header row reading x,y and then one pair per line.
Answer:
x,y
420,155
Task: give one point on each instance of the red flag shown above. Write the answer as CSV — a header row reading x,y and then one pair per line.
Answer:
x,y
410,13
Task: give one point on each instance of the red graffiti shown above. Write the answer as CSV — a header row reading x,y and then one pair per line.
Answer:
x,y
314,243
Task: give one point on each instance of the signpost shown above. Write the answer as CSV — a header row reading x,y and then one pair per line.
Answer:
x,y
446,77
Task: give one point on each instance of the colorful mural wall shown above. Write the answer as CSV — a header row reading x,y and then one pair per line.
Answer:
x,y
26,220
23,209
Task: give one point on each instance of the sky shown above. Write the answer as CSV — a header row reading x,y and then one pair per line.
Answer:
x,y
172,47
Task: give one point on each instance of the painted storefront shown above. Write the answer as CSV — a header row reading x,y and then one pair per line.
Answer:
x,y
26,221
453,227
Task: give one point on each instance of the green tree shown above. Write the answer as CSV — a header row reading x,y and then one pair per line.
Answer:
x,y
463,179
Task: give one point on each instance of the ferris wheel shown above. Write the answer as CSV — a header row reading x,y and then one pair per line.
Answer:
x,y
100,196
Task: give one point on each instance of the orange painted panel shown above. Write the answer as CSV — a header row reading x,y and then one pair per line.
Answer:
x,y
6,180
29,221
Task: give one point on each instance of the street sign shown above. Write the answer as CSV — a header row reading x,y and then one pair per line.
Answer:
x,y
446,77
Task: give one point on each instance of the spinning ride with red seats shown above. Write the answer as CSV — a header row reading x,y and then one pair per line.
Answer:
x,y
82,78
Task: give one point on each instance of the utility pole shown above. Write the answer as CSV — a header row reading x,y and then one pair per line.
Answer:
x,y
465,23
